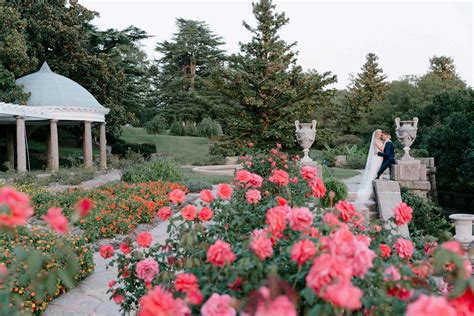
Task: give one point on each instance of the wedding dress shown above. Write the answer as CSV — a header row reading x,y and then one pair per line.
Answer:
x,y
372,166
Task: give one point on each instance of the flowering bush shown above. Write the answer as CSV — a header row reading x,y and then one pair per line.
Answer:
x,y
37,265
119,208
283,255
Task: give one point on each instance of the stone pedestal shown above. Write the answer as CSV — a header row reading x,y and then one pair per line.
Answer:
x,y
319,168
411,174
20,144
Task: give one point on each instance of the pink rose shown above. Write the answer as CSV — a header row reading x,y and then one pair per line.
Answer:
x,y
177,196
224,191
391,274
403,214
308,172
57,220
189,212
343,294
18,208
194,297
111,283
118,298
276,220
83,206
317,187
218,305
453,246
331,219
144,239
206,196
106,251
430,306
403,248
220,253
186,282
262,247
280,306
303,251
164,213
253,196
326,268
158,301
346,210
125,248
147,269
279,177
385,250
255,180
205,214
242,176
300,219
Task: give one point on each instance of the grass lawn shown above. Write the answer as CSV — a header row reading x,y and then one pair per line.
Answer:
x,y
340,173
183,149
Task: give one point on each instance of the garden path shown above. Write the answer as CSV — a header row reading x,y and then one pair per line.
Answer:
x,y
112,176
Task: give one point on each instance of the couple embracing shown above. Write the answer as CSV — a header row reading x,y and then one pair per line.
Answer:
x,y
381,156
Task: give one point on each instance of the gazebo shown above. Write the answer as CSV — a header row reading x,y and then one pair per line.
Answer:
x,y
54,99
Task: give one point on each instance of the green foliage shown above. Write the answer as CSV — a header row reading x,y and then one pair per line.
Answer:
x,y
270,88
428,218
209,128
122,148
157,125
197,185
176,128
340,192
41,267
153,170
189,129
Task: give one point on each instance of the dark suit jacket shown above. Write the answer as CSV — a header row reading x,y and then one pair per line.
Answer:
x,y
388,152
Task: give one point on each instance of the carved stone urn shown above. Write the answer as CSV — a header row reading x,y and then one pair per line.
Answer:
x,y
463,227
305,135
406,134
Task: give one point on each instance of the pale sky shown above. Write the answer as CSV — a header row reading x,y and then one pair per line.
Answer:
x,y
331,35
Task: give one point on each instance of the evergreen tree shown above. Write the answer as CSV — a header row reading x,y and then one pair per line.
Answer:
x,y
443,67
272,91
185,71
365,91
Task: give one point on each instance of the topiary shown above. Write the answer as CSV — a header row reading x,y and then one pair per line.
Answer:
x,y
339,189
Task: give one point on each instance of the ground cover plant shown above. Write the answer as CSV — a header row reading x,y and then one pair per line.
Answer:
x,y
119,207
263,247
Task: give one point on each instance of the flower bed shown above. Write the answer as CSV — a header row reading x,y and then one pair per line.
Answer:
x,y
119,208
270,250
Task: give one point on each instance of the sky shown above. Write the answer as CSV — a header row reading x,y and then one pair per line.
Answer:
x,y
331,35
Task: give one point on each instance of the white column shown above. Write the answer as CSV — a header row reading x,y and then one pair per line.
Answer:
x,y
103,149
20,144
87,145
53,146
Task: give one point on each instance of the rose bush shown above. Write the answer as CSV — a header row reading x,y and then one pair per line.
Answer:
x,y
284,255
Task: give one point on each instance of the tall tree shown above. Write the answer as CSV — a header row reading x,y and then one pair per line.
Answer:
x,y
185,70
443,67
365,91
270,88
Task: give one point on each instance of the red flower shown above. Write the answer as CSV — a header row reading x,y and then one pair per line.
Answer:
x,y
253,196
279,177
430,306
218,305
164,213
346,210
242,176
302,251
118,299
106,251
57,220
177,196
385,251
308,172
144,239
189,212
158,301
300,218
18,209
125,248
84,206
277,306
344,294
220,253
186,282
276,220
206,196
147,269
464,304
194,297
403,214
317,187
205,214
224,191
262,247
403,248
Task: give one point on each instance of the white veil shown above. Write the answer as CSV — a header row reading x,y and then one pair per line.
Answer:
x,y
364,191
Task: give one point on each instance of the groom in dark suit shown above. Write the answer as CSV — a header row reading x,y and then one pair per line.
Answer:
x,y
388,153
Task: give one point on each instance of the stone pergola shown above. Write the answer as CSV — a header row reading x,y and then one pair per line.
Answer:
x,y
54,99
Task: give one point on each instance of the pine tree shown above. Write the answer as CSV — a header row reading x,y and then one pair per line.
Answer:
x,y
443,67
188,64
365,91
270,88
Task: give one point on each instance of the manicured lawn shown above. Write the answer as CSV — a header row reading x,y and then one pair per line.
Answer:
x,y
339,173
183,149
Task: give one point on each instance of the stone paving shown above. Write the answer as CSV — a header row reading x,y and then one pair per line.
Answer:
x,y
111,176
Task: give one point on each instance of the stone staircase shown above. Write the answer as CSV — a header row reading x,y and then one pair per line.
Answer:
x,y
369,209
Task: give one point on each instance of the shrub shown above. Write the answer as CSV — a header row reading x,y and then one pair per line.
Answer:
x,y
356,157
153,170
176,128
209,128
156,125
428,218
339,189
121,148
189,129
197,185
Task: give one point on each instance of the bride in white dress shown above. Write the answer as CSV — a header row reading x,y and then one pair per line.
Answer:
x,y
372,166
